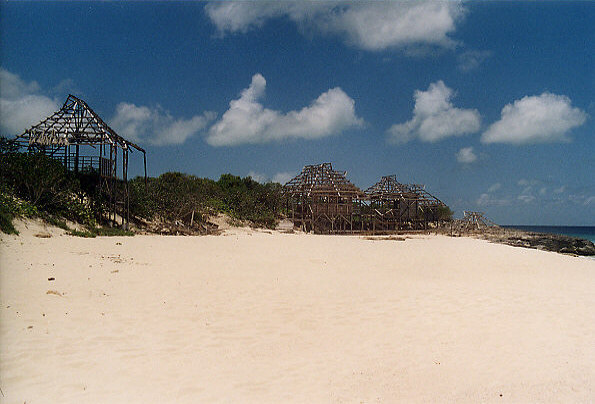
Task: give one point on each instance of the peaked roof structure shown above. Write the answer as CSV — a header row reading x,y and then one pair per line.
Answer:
x,y
74,123
476,219
321,179
389,188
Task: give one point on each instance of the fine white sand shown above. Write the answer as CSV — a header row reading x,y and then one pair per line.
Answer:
x,y
263,317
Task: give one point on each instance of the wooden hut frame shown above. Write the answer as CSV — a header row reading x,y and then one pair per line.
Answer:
x,y
475,221
80,139
322,200
396,206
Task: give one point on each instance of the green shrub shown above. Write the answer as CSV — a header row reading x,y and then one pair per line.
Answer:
x,y
445,213
6,225
111,232
82,233
38,185
93,232
175,196
44,185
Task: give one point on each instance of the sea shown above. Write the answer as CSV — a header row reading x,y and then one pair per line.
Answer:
x,y
586,232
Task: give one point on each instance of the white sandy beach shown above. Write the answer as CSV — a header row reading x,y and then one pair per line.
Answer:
x,y
264,317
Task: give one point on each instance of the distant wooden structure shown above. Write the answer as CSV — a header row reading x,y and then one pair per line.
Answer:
x,y
396,206
76,136
475,221
323,200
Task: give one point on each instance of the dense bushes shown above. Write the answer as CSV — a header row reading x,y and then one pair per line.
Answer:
x,y
178,197
445,213
37,185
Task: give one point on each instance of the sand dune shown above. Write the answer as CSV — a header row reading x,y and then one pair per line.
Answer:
x,y
263,317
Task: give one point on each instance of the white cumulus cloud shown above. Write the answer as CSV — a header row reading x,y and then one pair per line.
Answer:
x,y
366,25
544,118
466,155
156,126
435,118
248,121
22,104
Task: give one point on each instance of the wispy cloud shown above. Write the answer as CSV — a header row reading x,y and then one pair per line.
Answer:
x,y
22,104
366,25
466,155
472,59
544,118
495,187
435,118
155,125
248,121
489,199
283,177
526,198
258,177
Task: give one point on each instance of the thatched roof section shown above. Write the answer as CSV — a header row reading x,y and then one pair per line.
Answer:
x,y
74,123
321,179
388,188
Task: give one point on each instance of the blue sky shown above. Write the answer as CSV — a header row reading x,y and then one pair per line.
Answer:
x,y
489,104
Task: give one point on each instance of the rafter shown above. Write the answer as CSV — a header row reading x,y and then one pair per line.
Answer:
x,y
75,123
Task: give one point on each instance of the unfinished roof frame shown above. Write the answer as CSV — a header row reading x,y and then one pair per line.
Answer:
x,y
323,200
397,206
76,136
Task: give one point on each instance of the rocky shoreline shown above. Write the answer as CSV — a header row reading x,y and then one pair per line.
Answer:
x,y
540,241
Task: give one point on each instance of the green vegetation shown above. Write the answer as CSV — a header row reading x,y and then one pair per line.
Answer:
x,y
445,213
35,185
182,198
6,221
93,232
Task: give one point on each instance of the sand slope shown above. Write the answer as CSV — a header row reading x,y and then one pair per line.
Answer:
x,y
257,317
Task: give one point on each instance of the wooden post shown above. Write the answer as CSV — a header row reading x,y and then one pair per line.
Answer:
x,y
145,164
76,159
126,194
110,183
114,182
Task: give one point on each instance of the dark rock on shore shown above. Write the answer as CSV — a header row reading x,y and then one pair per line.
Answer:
x,y
553,242
541,241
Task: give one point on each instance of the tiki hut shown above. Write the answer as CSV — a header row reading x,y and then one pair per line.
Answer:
x,y
76,136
